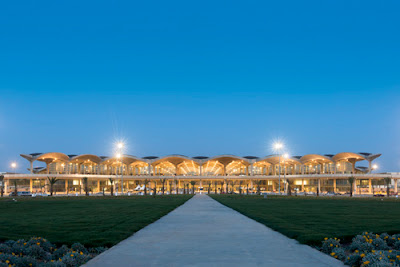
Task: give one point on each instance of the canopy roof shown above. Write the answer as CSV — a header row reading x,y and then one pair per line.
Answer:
x,y
51,157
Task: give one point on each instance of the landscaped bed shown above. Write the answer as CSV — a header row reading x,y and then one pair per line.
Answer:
x,y
366,249
311,219
40,252
91,221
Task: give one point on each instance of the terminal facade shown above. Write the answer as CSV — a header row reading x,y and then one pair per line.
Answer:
x,y
224,173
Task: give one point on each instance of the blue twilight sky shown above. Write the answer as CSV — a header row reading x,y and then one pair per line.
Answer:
x,y
199,77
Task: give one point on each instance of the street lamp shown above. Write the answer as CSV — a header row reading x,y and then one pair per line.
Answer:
x,y
278,147
375,166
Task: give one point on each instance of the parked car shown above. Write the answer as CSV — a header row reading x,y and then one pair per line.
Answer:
x,y
40,195
21,194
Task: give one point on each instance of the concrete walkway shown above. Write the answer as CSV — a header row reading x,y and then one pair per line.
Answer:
x,y
203,232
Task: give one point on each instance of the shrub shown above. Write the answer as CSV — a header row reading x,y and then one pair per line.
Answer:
x,y
18,248
338,253
60,252
8,259
376,259
38,253
353,260
79,247
75,259
379,244
53,264
329,244
27,261
97,250
43,243
5,249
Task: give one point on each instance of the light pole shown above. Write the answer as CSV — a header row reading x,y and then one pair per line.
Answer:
x,y
14,167
122,177
278,147
285,156
120,147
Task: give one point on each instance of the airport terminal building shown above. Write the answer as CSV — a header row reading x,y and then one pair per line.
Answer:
x,y
224,173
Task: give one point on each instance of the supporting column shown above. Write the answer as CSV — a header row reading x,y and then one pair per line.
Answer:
x,y
370,186
66,186
334,185
355,187
369,166
395,185
6,186
98,185
319,186
302,185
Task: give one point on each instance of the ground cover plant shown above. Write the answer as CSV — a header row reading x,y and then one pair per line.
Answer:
x,y
311,219
40,252
366,249
91,221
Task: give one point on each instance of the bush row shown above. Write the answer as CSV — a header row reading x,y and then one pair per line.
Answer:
x,y
366,249
40,252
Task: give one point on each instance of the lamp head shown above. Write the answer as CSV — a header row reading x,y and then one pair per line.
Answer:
x,y
278,146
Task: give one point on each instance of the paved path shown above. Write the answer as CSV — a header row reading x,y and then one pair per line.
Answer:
x,y
203,232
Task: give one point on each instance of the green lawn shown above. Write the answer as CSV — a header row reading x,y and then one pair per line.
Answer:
x,y
310,219
92,221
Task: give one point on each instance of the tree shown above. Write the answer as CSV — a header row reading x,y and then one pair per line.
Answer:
x,y
2,185
176,185
155,189
112,186
388,181
221,191
215,187
145,183
351,181
240,187
85,185
170,187
52,181
163,180
258,184
233,187
15,187
193,184
289,187
247,188
209,183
